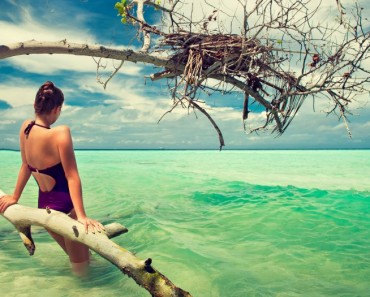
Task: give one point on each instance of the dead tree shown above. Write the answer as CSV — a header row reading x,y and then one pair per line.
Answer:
x,y
283,55
141,271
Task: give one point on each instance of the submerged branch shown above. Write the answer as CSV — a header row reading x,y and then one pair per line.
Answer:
x,y
141,271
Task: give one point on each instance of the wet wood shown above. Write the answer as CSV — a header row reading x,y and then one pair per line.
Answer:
x,y
141,271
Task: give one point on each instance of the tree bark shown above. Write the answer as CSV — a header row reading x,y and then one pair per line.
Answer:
x,y
141,271
65,47
68,48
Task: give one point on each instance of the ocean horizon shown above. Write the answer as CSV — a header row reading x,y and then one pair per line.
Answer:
x,y
230,223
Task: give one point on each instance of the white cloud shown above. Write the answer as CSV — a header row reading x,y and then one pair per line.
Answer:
x,y
18,92
27,26
30,29
230,13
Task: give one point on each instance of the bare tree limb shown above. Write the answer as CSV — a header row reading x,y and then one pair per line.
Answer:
x,y
283,55
69,48
146,34
141,271
202,110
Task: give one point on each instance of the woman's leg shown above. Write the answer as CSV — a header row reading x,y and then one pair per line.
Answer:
x,y
59,239
79,254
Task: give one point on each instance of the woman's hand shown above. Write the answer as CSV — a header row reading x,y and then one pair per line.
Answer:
x,y
6,201
91,225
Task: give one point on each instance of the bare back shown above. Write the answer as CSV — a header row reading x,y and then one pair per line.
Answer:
x,y
40,151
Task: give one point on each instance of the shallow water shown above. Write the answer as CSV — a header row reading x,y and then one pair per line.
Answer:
x,y
231,223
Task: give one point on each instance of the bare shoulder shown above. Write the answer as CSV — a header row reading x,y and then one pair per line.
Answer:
x,y
62,134
24,126
62,129
26,123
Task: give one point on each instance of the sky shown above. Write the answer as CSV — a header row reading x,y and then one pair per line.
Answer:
x,y
125,115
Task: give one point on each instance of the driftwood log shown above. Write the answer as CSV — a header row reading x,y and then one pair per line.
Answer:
x,y
141,271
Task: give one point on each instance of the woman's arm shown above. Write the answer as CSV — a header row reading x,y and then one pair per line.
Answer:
x,y
67,157
23,177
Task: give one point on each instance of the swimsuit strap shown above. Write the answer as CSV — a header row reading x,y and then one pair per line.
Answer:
x,y
30,125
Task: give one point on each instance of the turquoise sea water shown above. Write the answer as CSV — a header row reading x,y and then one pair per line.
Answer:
x,y
230,223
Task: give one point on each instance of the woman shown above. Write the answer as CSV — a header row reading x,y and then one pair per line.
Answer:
x,y
47,154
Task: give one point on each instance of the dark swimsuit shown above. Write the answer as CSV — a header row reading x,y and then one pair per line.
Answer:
x,y
58,198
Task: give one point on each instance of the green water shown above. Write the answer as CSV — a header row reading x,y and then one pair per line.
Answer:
x,y
231,223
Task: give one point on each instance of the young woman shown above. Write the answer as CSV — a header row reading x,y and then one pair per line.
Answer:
x,y
47,154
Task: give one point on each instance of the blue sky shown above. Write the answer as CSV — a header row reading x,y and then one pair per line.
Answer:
x,y
125,115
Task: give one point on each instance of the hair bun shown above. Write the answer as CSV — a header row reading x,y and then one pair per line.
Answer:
x,y
48,97
47,86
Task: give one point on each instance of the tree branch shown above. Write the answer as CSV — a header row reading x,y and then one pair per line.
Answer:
x,y
141,271
64,47
202,110
146,34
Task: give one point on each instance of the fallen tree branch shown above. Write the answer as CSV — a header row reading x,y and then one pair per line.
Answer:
x,y
141,271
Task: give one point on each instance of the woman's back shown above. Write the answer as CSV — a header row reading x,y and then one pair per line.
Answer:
x,y
48,155
41,152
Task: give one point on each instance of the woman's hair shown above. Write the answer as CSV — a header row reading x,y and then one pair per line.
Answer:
x,y
47,98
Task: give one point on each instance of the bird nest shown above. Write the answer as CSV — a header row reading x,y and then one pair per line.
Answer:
x,y
256,67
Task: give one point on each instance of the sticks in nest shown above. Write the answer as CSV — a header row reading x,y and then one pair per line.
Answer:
x,y
244,59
